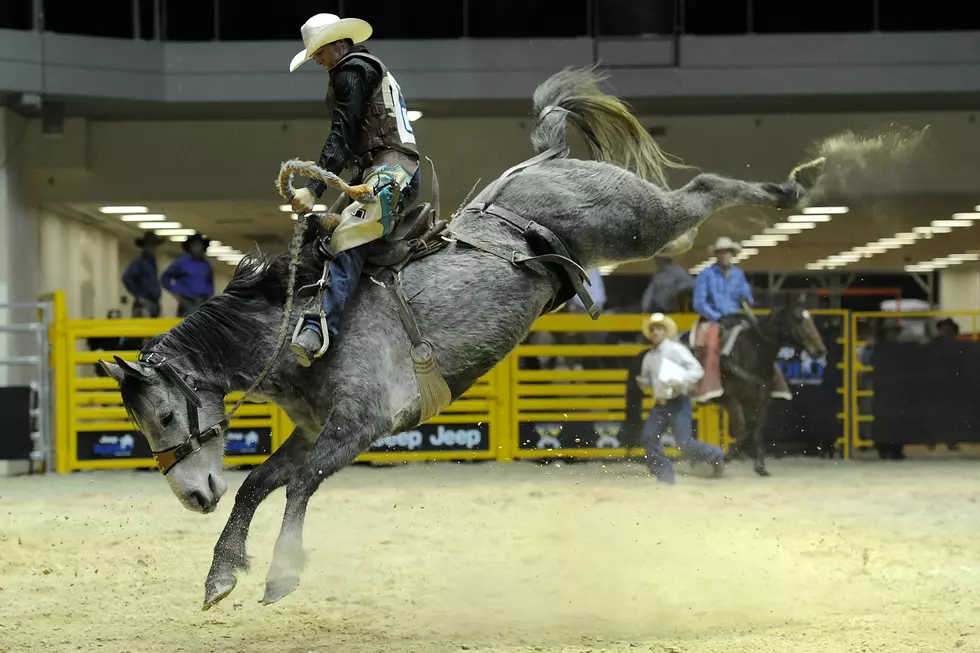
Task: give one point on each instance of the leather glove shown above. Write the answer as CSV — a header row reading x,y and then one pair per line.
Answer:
x,y
303,200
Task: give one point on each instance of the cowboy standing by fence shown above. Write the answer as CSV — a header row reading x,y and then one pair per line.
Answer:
x,y
141,279
721,289
371,131
190,278
671,370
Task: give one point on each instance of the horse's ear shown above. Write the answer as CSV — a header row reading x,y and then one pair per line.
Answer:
x,y
135,371
113,370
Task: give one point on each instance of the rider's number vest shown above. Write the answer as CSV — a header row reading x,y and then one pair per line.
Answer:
x,y
386,125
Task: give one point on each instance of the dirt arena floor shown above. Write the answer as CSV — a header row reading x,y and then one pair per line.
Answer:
x,y
822,557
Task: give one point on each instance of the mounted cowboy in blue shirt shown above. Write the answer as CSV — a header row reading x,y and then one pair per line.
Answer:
x,y
371,132
722,290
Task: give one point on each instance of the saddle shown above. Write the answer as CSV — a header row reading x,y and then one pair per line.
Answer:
x,y
417,233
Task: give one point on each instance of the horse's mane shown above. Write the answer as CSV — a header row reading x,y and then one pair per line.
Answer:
x,y
220,333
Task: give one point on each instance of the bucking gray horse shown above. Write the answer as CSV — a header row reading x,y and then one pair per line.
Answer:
x,y
473,306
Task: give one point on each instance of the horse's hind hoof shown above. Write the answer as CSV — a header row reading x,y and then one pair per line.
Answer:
x,y
217,590
807,174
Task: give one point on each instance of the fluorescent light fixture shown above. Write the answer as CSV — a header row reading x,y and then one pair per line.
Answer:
x,y
907,235
178,239
176,232
776,238
826,210
159,225
147,217
967,216
871,249
773,231
942,230
794,226
809,218
919,267
317,208
814,266
122,209
922,231
950,223
414,115
756,242
964,257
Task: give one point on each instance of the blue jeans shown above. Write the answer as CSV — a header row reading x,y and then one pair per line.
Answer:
x,y
676,413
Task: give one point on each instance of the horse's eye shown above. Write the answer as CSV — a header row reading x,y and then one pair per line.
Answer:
x,y
167,419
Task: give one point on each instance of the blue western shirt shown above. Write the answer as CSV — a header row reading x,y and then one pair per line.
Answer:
x,y
189,277
716,295
140,278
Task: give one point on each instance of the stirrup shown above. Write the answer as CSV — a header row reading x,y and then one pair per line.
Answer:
x,y
300,352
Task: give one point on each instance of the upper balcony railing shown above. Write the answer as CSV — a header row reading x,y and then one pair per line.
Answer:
x,y
234,20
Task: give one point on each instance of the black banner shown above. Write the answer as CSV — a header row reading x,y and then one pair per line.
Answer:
x,y
111,445
436,437
809,424
578,435
926,393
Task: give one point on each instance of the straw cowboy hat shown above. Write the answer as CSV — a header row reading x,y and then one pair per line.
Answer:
x,y
327,28
726,243
149,238
659,319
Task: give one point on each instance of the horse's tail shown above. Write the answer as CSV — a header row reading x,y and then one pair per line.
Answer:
x,y
612,132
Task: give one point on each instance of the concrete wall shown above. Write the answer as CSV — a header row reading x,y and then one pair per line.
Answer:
x,y
478,69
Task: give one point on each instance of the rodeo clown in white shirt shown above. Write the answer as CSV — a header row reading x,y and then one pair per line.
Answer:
x,y
672,371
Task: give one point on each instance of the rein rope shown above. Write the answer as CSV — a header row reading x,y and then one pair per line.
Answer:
x,y
284,183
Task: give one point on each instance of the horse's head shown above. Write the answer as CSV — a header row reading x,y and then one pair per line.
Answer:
x,y
796,327
184,422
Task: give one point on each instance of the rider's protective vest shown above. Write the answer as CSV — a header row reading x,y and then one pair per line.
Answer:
x,y
386,132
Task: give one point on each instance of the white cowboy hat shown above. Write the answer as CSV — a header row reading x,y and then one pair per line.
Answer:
x,y
726,243
327,28
659,319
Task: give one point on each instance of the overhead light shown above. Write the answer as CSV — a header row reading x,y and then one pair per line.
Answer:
x,y
414,115
919,267
175,232
964,257
788,231
871,249
942,230
967,216
826,210
159,225
814,266
178,239
923,231
123,209
756,242
317,208
776,238
148,217
793,226
951,223
907,235
809,218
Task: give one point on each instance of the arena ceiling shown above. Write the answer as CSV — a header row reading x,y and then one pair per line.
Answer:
x,y
886,234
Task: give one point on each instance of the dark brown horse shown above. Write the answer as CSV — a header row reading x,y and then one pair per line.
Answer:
x,y
747,372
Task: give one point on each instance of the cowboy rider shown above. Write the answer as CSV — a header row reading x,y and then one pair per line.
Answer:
x,y
722,289
371,131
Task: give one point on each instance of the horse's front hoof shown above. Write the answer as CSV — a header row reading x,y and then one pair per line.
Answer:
x,y
276,589
761,471
217,589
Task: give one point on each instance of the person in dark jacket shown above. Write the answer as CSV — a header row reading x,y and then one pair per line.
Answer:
x,y
370,133
141,279
190,277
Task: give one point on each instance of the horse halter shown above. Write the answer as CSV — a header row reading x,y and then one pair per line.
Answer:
x,y
167,459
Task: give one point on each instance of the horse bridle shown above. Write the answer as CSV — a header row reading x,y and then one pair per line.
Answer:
x,y
167,459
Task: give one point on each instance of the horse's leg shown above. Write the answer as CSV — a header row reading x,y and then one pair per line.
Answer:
x,y
229,551
352,427
736,420
758,426
707,193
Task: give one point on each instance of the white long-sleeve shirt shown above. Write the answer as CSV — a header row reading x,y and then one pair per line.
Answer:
x,y
678,354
